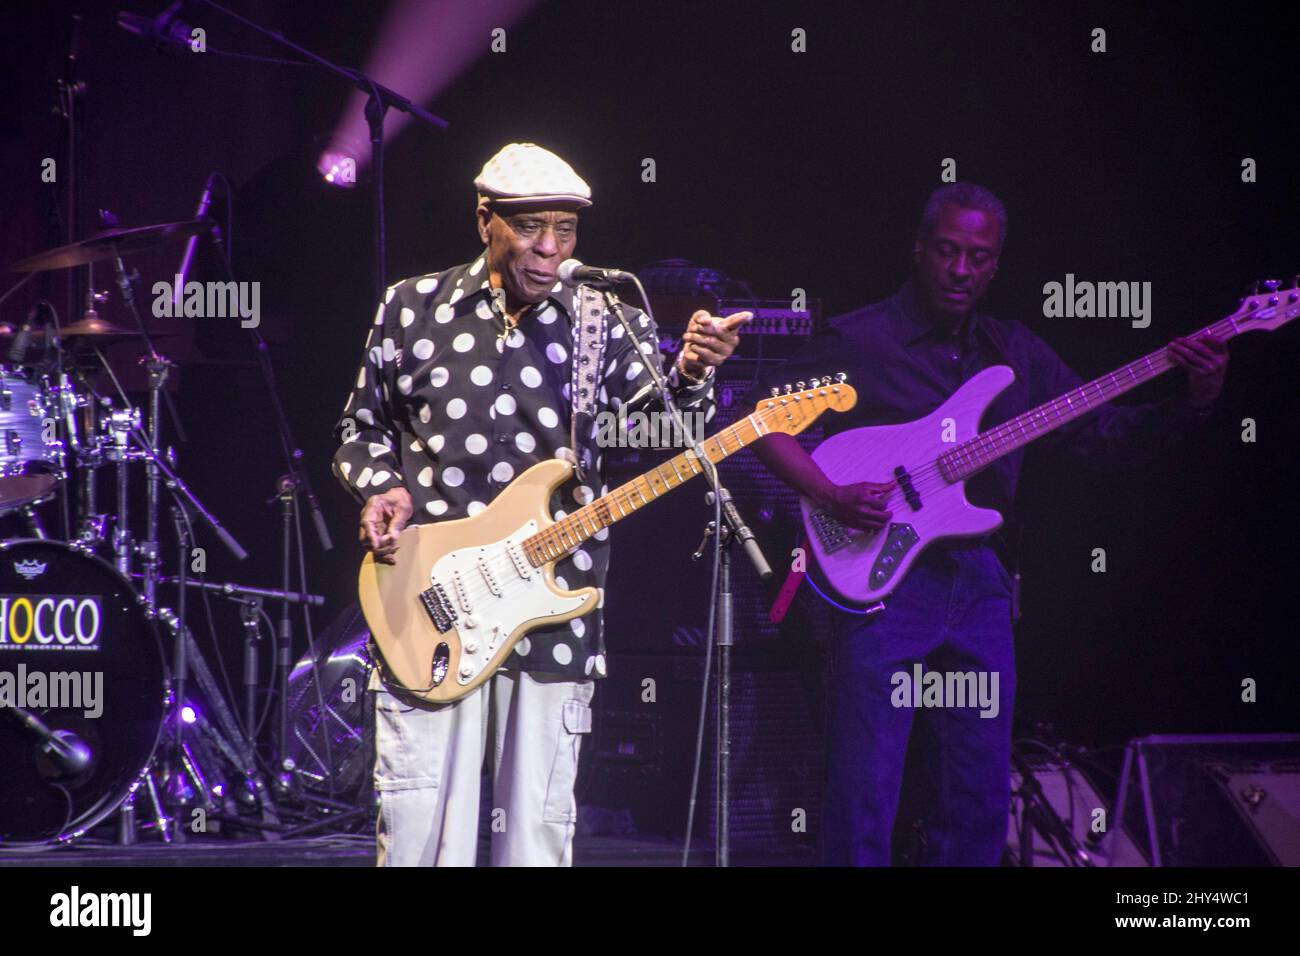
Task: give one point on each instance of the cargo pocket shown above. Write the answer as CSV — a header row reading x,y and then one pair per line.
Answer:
x,y
407,751
575,720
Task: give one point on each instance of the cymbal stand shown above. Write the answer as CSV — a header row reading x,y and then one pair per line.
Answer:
x,y
148,548
121,423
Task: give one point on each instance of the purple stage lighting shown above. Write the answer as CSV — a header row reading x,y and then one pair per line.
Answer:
x,y
421,48
337,168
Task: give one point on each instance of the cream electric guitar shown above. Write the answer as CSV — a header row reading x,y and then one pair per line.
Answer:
x,y
463,593
929,503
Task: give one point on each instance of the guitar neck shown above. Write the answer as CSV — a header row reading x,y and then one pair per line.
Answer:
x,y
572,530
790,414
978,453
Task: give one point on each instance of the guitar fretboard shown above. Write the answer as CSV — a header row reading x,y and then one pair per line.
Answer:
x,y
978,453
786,413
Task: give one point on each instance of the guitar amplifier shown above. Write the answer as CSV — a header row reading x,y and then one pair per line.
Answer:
x,y
1212,800
640,754
776,331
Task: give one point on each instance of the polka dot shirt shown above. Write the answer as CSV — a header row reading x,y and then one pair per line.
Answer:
x,y
448,408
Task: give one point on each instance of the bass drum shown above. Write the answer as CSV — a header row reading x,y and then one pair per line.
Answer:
x,y
79,652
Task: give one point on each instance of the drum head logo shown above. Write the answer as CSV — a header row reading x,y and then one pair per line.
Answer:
x,y
30,569
50,622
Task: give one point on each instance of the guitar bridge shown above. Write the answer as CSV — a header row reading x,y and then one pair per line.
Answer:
x,y
899,539
831,535
439,608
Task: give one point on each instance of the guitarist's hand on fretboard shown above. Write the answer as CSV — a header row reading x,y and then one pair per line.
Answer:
x,y
1206,360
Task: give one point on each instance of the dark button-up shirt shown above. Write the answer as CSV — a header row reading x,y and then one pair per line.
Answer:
x,y
903,367
448,407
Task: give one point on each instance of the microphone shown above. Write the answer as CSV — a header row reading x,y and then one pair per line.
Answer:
x,y
163,30
70,753
572,272
190,244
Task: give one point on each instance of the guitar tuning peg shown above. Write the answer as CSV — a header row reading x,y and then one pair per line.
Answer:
x,y
1295,282
1271,284
775,391
800,386
841,377
815,383
788,388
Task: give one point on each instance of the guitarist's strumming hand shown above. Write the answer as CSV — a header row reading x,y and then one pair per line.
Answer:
x,y
382,520
863,505
1206,361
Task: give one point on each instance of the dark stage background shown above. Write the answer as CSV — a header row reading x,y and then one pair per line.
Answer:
x,y
788,170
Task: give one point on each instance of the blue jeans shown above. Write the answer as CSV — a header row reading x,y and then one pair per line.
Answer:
x,y
951,613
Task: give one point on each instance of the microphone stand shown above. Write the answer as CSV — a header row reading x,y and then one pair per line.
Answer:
x,y
720,598
380,100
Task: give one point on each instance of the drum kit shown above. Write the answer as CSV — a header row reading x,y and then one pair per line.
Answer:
x,y
107,704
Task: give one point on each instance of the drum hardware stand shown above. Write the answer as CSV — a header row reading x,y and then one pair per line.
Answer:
x,y
288,496
252,601
128,824
158,367
34,526
177,761
250,610
121,424
1039,814
126,284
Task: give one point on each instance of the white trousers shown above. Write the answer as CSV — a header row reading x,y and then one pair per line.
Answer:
x,y
428,762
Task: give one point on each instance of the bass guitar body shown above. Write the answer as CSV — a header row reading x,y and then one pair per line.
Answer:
x,y
861,568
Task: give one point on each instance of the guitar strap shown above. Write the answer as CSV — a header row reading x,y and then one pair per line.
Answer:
x,y
590,333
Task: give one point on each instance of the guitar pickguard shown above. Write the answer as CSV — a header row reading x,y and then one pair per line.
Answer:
x,y
488,593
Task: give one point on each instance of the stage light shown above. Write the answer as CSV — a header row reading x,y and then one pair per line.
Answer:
x,y
188,714
337,168
400,57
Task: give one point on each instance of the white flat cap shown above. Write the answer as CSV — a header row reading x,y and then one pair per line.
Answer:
x,y
525,172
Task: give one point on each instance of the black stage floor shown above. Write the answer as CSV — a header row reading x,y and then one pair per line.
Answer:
x,y
356,850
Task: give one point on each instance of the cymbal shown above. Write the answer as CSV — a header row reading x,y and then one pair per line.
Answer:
x,y
95,331
98,328
110,243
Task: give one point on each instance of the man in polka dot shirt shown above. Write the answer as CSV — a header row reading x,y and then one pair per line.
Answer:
x,y
464,385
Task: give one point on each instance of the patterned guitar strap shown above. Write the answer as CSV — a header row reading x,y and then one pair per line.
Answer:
x,y
589,337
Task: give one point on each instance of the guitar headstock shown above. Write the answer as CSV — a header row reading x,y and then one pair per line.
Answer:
x,y
1268,307
794,409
